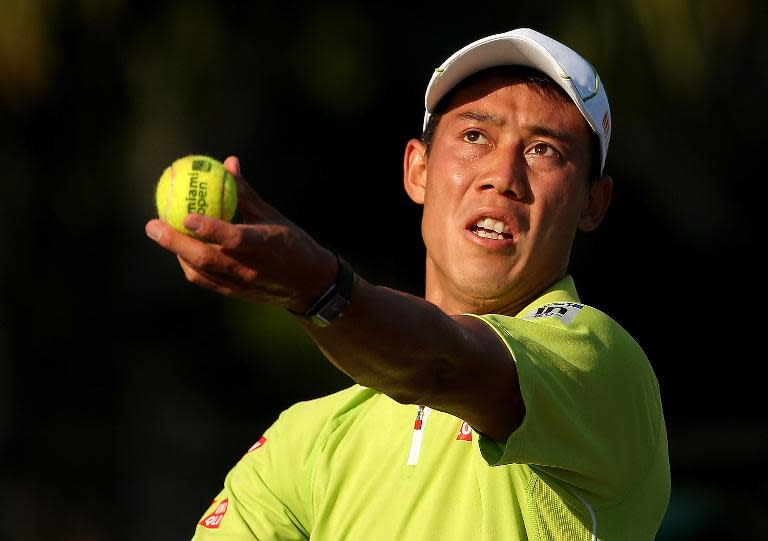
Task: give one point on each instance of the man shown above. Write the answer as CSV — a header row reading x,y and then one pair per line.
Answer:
x,y
500,407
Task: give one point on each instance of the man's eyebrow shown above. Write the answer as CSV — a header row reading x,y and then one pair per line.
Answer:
x,y
548,131
482,116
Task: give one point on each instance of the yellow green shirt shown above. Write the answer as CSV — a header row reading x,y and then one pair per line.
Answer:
x,y
589,461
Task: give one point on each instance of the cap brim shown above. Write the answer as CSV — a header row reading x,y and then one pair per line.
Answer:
x,y
490,52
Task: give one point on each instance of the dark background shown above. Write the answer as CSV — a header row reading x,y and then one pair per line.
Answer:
x,y
126,394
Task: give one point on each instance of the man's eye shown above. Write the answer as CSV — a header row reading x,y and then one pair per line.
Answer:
x,y
542,149
475,137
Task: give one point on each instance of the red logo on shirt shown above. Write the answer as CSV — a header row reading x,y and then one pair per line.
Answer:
x,y
213,520
465,432
260,443
418,423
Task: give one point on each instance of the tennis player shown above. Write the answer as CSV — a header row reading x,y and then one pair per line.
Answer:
x,y
499,406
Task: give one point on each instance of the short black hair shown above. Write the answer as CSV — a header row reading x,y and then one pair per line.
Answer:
x,y
532,78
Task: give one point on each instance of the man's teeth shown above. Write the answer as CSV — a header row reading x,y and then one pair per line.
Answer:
x,y
488,234
491,229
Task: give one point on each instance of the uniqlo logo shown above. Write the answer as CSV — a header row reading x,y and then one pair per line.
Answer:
x,y
607,126
465,432
213,521
258,444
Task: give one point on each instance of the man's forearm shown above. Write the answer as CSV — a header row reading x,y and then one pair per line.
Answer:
x,y
412,351
391,341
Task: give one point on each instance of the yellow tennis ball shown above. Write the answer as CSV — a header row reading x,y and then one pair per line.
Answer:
x,y
195,184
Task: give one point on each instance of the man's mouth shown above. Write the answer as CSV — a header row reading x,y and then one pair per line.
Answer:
x,y
488,228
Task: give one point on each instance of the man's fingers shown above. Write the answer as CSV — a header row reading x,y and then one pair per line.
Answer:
x,y
187,247
250,204
199,251
201,278
206,256
230,237
211,235
232,164
159,232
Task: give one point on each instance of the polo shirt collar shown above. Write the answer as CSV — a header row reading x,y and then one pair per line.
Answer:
x,y
563,290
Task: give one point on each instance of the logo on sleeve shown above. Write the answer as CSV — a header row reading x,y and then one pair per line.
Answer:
x,y
213,521
566,311
465,432
258,444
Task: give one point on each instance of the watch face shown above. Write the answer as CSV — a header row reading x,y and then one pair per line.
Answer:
x,y
333,309
335,300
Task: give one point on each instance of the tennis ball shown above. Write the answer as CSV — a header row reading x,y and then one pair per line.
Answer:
x,y
195,184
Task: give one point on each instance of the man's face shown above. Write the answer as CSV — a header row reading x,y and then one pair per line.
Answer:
x,y
516,162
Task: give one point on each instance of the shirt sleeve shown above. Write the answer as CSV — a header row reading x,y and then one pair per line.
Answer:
x,y
593,414
264,494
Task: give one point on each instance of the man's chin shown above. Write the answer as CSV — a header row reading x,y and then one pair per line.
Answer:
x,y
488,290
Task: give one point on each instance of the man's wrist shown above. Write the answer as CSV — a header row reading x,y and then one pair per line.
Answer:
x,y
334,300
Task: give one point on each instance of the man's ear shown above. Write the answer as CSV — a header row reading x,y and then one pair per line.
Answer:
x,y
597,203
415,170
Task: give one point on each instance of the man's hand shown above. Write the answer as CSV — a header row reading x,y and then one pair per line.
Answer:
x,y
267,259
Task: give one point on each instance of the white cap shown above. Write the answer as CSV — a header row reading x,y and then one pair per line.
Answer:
x,y
526,47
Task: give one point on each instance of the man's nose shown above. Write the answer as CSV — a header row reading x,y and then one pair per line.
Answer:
x,y
505,172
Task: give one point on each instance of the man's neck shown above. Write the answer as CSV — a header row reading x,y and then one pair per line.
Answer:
x,y
452,299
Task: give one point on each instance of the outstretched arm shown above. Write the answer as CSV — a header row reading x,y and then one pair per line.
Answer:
x,y
398,344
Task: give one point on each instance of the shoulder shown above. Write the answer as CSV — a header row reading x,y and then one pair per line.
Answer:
x,y
593,405
574,343
568,328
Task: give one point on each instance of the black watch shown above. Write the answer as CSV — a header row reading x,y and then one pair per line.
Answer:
x,y
336,298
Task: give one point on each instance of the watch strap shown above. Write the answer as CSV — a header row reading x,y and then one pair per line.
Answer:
x,y
332,303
